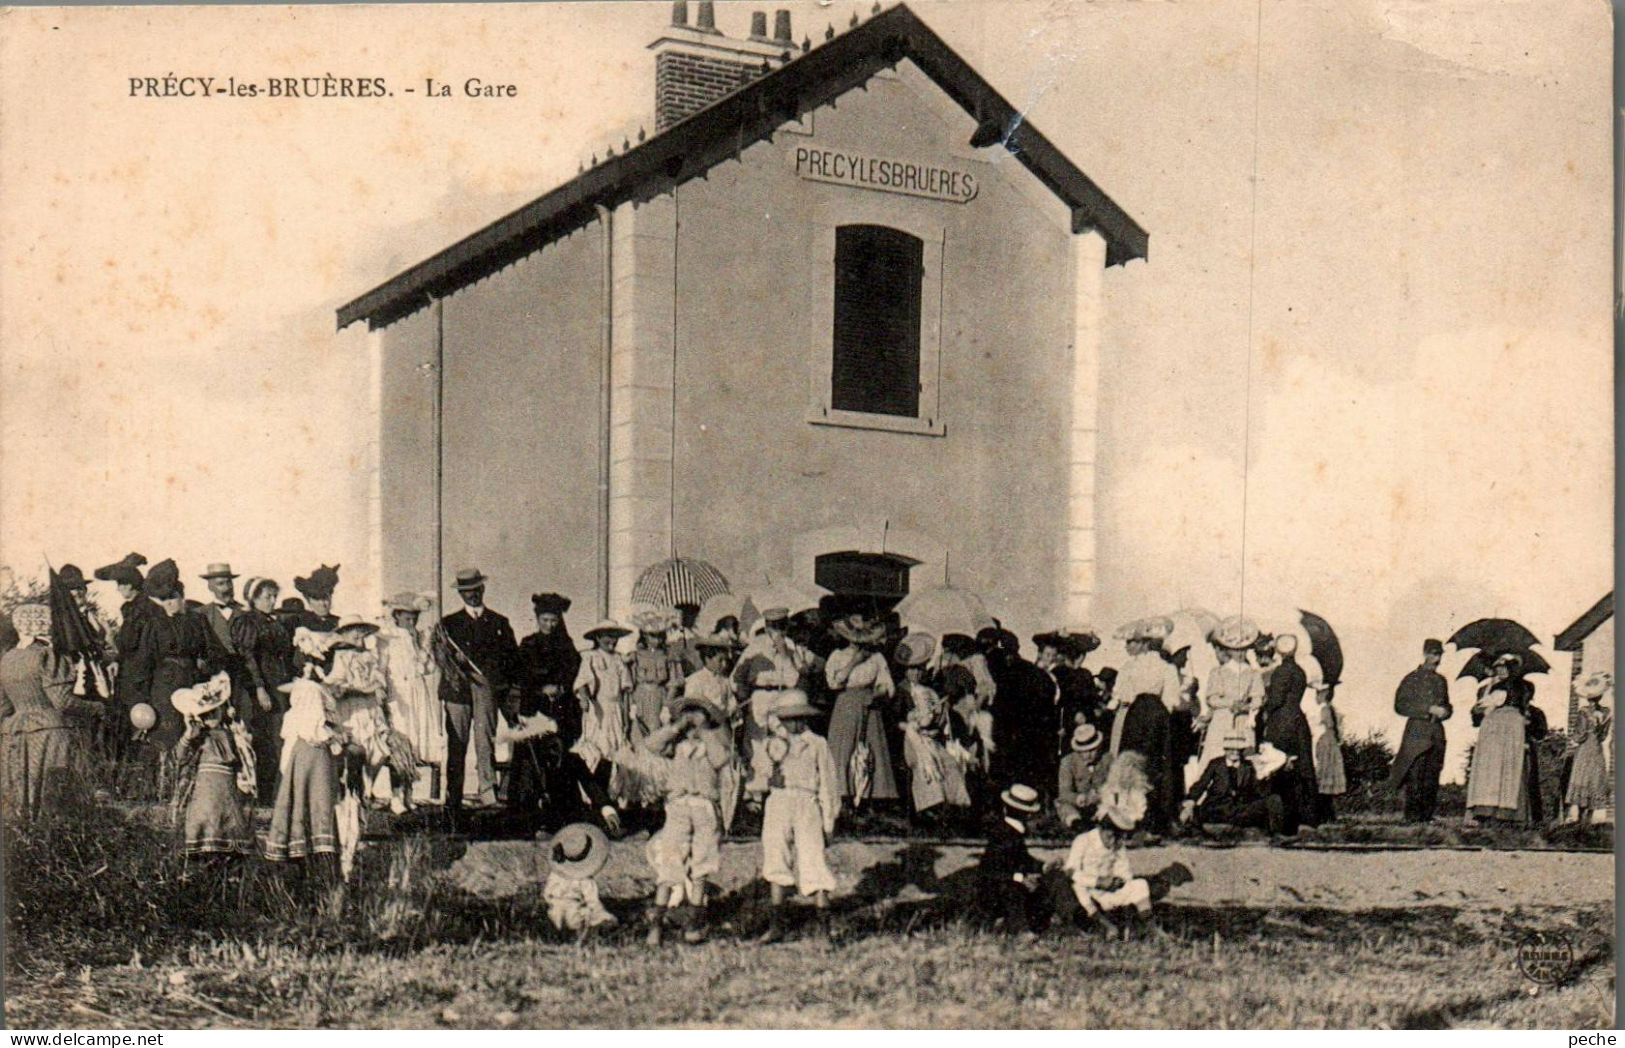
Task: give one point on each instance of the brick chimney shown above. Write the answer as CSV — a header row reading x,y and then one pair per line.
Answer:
x,y
696,64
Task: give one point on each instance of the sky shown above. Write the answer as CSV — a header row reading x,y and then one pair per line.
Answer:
x,y
1374,382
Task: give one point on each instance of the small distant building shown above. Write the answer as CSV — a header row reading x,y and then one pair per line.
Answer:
x,y
1590,640
836,321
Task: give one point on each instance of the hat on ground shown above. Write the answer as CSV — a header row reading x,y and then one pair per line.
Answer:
x,y
72,578
469,578
1432,647
1594,685
127,571
1021,797
710,710
793,704
607,627
1234,633
33,621
578,851
854,634
1086,737
549,604
1237,741
163,581
195,702
355,622
321,583
406,600
916,649
218,570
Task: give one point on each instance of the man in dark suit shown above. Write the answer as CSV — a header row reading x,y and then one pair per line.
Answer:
x,y
482,657
1423,699
1228,792
223,606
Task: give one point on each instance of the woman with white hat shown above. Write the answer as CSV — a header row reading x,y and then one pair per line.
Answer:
x,y
412,682
1590,785
217,774
603,684
1498,784
42,770
857,725
936,777
1234,692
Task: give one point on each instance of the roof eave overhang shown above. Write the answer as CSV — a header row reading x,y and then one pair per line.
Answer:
x,y
723,130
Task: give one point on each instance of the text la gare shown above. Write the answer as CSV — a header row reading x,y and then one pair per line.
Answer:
x,y
473,87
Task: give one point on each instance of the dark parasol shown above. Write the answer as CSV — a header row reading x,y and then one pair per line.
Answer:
x,y
1497,635
71,631
1323,645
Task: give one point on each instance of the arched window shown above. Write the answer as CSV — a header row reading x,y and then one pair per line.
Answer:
x,y
876,367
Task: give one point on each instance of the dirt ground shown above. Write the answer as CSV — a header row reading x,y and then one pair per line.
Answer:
x,y
1244,875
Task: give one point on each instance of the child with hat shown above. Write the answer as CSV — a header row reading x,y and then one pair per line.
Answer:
x,y
215,758
713,684
1008,877
1102,879
577,853
1081,777
686,759
803,799
602,685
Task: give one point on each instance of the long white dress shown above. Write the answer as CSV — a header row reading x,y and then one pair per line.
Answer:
x,y
413,699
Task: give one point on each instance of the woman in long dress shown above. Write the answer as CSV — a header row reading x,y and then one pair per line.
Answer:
x,y
1590,785
265,648
858,674
602,686
43,769
936,773
413,685
1234,692
175,644
1330,777
1498,784
304,825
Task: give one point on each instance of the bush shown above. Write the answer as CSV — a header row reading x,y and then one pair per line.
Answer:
x,y
1366,762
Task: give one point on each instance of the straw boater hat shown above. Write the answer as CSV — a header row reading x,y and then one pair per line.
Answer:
x,y
1235,633
195,702
1022,798
353,621
1595,685
916,649
469,578
218,570
1086,737
127,571
793,704
710,710
606,626
578,851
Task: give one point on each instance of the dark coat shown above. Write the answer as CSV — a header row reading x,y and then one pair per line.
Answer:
x,y
546,662
178,648
134,684
1223,791
1282,724
1145,731
1076,694
1420,689
1023,722
489,643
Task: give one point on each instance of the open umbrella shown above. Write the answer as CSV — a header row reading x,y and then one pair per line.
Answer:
x,y
1480,666
1191,627
944,609
715,609
1499,635
680,580
1323,646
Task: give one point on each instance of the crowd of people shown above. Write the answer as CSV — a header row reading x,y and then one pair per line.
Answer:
x,y
694,721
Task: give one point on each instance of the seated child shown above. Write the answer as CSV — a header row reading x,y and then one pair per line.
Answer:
x,y
577,853
1008,877
1102,879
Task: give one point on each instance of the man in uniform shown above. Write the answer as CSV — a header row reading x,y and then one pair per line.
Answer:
x,y
1423,699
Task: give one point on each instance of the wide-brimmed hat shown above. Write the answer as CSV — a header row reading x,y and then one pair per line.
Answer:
x,y
655,620
290,606
916,649
353,621
469,578
694,702
793,704
127,571
218,570
578,851
195,702
549,603
1510,658
1084,639
1154,628
1594,685
1234,633
715,642
72,578
320,584
1053,639
32,620
855,633
1021,797
1086,737
606,627
406,600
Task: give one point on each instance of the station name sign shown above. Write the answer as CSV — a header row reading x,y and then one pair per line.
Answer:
x,y
911,178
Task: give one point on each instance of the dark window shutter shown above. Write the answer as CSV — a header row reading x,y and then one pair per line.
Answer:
x,y
877,321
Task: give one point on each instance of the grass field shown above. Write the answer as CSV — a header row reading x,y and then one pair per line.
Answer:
x,y
108,929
